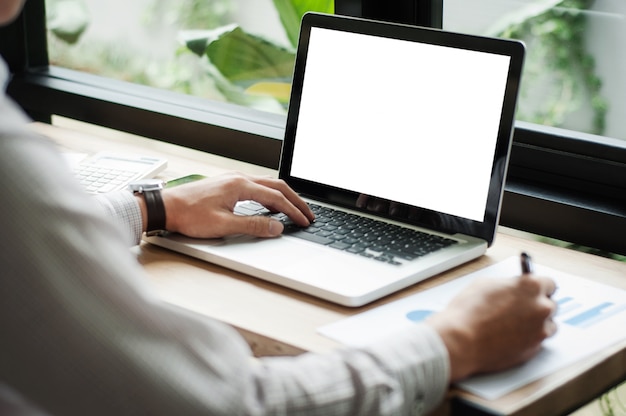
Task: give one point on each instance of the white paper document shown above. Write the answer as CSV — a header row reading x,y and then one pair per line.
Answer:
x,y
591,316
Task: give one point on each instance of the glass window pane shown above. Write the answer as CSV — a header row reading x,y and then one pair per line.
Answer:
x,y
573,74
230,50
576,57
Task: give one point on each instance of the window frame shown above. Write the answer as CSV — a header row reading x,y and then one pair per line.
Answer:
x,y
562,184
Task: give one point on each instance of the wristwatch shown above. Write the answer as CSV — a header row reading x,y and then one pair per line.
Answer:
x,y
150,189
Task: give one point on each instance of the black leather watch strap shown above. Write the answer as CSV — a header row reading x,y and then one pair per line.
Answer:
x,y
156,211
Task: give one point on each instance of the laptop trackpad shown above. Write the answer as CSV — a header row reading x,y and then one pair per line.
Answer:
x,y
284,258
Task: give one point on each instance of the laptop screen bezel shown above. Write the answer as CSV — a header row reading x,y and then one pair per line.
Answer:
x,y
445,223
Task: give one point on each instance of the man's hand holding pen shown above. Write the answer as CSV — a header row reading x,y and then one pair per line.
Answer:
x,y
497,323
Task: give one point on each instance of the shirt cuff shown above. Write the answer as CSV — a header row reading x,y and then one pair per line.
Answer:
x,y
421,362
123,208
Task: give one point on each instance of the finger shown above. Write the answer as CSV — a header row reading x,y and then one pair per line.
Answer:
x,y
257,226
550,327
278,196
278,203
289,194
540,284
548,286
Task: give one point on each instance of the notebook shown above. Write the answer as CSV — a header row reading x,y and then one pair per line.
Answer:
x,y
401,125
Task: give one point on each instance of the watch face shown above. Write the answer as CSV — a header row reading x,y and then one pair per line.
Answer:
x,y
144,185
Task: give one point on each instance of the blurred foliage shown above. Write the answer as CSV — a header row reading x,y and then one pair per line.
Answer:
x,y
189,14
179,72
581,248
613,402
249,69
67,19
228,63
237,60
559,74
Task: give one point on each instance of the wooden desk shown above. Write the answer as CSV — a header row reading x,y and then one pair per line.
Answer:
x,y
278,321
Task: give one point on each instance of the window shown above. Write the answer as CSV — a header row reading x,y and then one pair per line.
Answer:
x,y
573,73
563,181
236,51
581,87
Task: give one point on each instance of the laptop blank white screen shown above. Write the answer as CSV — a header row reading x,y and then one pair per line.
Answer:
x,y
409,122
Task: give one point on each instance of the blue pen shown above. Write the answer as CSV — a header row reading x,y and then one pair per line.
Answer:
x,y
526,262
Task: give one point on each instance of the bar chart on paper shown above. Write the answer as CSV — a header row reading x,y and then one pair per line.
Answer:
x,y
571,311
580,317
591,316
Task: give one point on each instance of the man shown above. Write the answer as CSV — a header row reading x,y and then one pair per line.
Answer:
x,y
82,334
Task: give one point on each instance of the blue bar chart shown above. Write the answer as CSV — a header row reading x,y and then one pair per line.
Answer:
x,y
582,316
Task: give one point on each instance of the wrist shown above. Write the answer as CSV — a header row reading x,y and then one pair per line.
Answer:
x,y
153,211
460,345
171,203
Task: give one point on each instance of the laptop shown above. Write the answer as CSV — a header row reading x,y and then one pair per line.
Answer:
x,y
403,128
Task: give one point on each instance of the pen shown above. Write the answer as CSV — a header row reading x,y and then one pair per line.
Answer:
x,y
526,262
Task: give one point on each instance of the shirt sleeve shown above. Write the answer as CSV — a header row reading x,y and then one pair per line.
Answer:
x,y
83,332
407,374
122,207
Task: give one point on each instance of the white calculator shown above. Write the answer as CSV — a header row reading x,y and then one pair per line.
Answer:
x,y
106,171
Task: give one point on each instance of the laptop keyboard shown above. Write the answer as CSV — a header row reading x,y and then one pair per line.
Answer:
x,y
359,235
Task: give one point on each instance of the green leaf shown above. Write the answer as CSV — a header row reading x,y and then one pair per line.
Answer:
x,y
67,19
242,57
248,69
198,40
291,12
237,95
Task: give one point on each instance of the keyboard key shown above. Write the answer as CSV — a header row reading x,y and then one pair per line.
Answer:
x,y
311,237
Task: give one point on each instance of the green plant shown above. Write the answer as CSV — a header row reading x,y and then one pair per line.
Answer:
x,y
559,74
249,69
611,404
67,19
190,14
